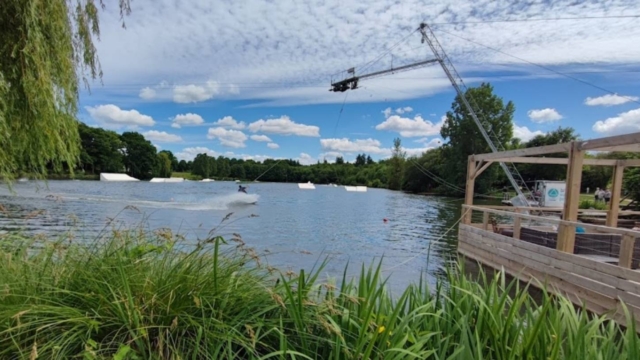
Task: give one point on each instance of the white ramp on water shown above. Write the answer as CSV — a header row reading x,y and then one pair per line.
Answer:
x,y
116,177
207,180
166,180
306,186
356,188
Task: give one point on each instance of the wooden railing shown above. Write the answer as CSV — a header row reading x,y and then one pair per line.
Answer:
x,y
601,286
626,245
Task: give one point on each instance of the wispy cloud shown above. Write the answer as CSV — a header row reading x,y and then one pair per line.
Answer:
x,y
284,126
609,100
625,122
112,115
352,33
228,138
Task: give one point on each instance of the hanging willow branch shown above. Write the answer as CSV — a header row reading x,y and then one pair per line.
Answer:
x,y
46,49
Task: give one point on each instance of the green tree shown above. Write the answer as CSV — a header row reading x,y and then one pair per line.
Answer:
x,y
423,174
46,47
465,137
396,165
237,171
101,149
163,165
361,160
339,160
201,166
139,155
530,172
172,159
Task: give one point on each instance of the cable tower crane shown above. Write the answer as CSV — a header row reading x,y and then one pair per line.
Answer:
x,y
351,83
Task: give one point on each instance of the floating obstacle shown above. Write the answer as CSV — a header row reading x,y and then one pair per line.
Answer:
x,y
116,177
207,180
167,180
306,186
356,188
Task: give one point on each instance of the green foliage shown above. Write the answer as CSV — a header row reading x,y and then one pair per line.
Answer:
x,y
141,295
465,137
592,204
163,165
396,166
101,150
531,172
172,158
45,48
422,174
139,155
201,166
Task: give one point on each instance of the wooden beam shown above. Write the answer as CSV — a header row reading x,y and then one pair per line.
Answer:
x,y
517,226
626,142
625,259
614,204
485,221
469,188
482,169
630,162
541,150
567,233
559,161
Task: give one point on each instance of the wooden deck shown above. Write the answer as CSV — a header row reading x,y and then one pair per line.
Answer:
x,y
599,282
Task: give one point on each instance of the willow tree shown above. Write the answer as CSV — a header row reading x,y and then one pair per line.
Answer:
x,y
46,51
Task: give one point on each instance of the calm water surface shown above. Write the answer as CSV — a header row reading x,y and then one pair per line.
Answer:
x,y
293,228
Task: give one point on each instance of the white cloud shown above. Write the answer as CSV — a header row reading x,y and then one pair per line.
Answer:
x,y
147,93
186,119
234,89
544,115
352,32
195,93
306,159
368,146
262,138
190,153
228,138
609,100
273,145
524,134
401,110
433,143
161,136
284,126
112,115
625,122
407,127
406,109
230,123
330,156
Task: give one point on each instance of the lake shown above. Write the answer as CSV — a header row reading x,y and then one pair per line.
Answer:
x,y
292,229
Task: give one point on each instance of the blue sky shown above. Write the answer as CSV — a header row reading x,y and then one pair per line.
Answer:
x,y
251,79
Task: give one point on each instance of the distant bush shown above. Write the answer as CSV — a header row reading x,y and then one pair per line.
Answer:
x,y
592,204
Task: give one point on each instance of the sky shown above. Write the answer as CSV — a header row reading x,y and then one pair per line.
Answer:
x,y
250,79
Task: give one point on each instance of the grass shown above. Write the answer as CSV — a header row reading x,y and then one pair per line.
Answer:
x,y
154,295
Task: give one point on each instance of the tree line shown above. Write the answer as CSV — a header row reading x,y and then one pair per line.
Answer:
x,y
440,170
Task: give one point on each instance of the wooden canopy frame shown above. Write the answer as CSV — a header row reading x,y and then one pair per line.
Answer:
x,y
575,161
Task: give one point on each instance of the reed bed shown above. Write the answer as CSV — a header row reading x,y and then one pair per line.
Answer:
x,y
153,295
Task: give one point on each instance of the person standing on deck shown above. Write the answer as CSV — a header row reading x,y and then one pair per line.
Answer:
x,y
607,196
596,194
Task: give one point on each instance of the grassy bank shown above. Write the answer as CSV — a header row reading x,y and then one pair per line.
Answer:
x,y
137,295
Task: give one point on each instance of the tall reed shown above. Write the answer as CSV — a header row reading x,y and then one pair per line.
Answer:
x,y
140,295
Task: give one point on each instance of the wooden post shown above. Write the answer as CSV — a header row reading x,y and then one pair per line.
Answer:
x,y
614,204
485,220
567,233
468,196
625,258
517,225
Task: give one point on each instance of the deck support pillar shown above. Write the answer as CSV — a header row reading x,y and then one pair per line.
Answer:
x,y
469,189
616,189
567,233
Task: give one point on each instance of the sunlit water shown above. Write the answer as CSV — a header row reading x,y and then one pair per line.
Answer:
x,y
293,228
